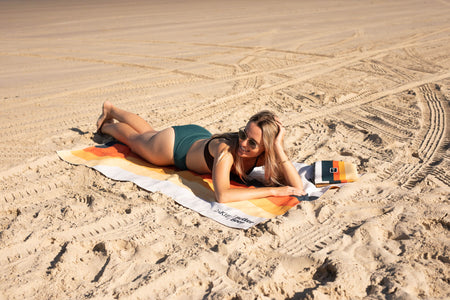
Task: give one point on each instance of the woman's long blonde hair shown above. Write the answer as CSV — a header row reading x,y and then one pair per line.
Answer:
x,y
266,120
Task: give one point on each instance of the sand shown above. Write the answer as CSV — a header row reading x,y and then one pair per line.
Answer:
x,y
361,81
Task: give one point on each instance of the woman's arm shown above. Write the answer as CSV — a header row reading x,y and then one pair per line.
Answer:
x,y
223,163
289,171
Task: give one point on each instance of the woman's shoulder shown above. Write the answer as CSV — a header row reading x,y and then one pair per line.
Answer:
x,y
220,144
223,143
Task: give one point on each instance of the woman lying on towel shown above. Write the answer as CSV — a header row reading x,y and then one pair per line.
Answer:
x,y
259,143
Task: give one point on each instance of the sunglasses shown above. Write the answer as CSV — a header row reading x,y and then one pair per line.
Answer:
x,y
243,136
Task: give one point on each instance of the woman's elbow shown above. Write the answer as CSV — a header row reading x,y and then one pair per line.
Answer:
x,y
222,197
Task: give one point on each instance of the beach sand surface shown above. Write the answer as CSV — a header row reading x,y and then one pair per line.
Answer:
x,y
362,81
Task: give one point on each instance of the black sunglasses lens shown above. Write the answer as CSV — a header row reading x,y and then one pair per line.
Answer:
x,y
243,136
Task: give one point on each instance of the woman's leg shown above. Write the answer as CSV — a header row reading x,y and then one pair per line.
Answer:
x,y
154,146
111,112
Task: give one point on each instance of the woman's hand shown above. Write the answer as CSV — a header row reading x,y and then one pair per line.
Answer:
x,y
288,191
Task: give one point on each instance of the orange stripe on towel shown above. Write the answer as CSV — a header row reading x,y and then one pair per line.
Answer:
x,y
336,175
117,150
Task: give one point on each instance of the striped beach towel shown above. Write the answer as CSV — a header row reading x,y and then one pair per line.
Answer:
x,y
116,161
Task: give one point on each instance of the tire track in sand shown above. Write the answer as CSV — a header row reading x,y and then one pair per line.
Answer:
x,y
372,97
436,127
429,141
128,226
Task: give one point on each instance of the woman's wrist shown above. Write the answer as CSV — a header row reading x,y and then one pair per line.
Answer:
x,y
280,162
272,191
281,155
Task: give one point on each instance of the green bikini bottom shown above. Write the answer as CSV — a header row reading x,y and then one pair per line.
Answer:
x,y
185,136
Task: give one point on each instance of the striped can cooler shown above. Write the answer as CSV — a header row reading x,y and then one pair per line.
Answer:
x,y
328,172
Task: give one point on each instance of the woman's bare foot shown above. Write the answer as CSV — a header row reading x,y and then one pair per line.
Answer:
x,y
105,117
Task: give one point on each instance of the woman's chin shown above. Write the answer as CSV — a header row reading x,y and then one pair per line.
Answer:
x,y
242,153
245,154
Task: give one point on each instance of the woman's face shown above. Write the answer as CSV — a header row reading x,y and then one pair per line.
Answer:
x,y
254,136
